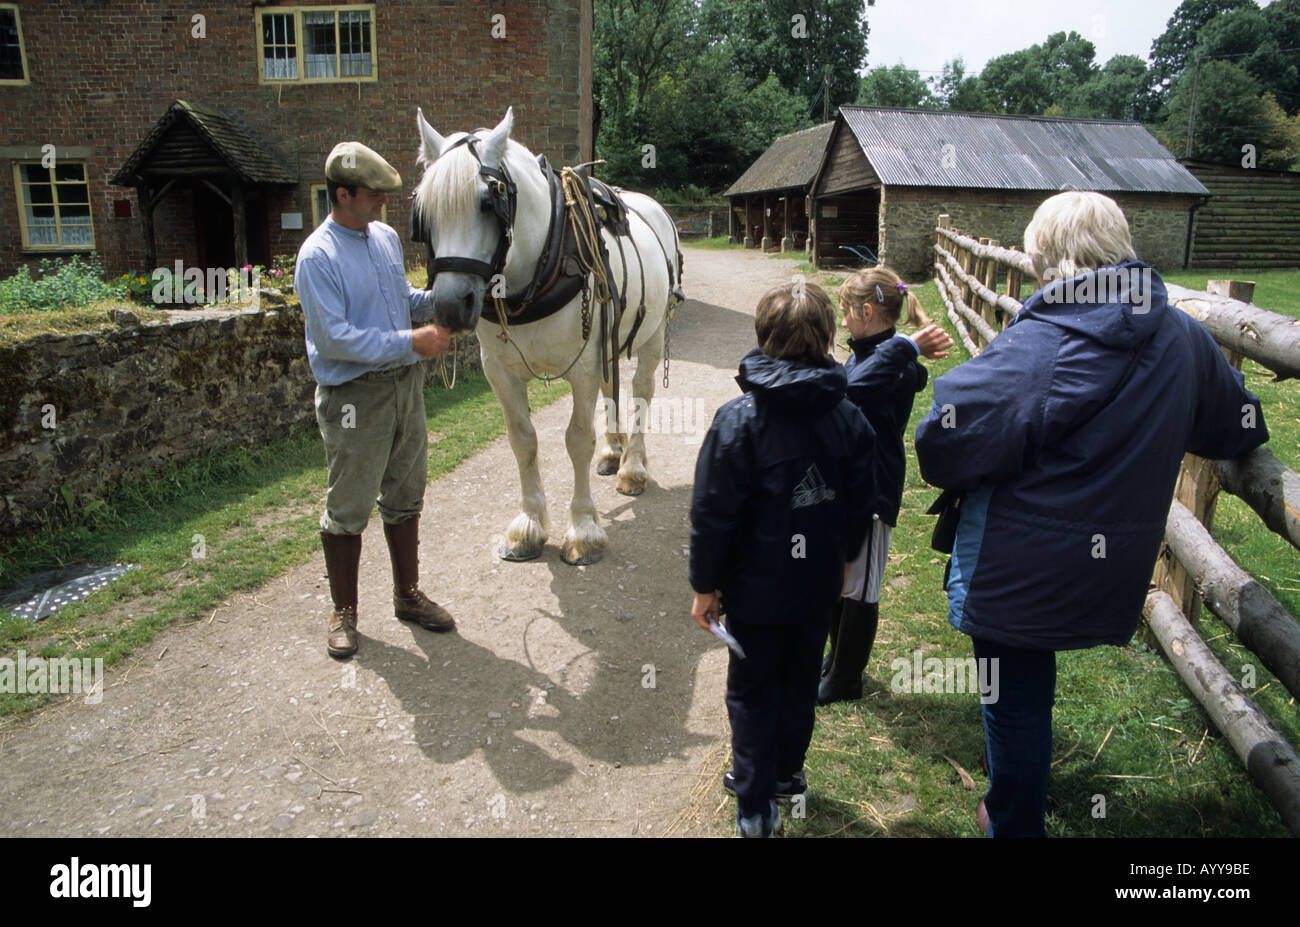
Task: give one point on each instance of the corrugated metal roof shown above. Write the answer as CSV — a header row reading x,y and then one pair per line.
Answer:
x,y
908,148
791,161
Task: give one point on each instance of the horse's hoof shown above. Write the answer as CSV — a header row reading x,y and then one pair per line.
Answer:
x,y
569,556
632,484
607,466
519,554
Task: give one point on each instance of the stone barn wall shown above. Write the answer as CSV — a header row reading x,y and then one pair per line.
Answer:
x,y
908,216
129,400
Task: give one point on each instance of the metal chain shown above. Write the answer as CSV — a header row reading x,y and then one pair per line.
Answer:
x,y
668,327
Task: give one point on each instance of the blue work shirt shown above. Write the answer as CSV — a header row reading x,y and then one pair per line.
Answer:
x,y
357,304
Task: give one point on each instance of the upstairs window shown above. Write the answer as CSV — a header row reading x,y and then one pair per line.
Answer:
x,y
13,57
308,44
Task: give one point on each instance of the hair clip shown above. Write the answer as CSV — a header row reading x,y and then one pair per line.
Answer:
x,y
902,287
880,297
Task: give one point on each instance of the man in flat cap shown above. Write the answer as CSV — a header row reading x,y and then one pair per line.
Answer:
x,y
364,352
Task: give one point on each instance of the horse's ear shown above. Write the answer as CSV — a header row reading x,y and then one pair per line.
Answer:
x,y
430,141
494,146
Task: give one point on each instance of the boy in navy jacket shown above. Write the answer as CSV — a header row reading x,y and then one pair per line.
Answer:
x,y
783,490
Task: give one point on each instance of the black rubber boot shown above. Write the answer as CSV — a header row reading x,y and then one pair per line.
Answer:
x,y
835,630
857,632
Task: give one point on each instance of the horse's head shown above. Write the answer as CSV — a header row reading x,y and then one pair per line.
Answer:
x,y
465,202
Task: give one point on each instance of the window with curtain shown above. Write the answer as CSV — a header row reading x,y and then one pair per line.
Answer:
x,y
354,43
279,47
55,205
333,44
318,46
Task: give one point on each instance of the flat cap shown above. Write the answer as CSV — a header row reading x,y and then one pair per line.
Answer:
x,y
353,163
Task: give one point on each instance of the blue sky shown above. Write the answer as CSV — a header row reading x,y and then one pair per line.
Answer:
x,y
923,34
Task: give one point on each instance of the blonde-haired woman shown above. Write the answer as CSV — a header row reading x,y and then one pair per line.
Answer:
x,y
1065,436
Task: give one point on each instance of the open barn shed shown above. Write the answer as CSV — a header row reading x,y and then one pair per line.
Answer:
x,y
887,174
769,203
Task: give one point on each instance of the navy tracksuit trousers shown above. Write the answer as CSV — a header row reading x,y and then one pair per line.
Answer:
x,y
771,701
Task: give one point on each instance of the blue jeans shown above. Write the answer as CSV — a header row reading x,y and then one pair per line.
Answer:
x,y
1018,738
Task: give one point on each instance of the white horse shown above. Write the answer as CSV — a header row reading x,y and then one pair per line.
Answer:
x,y
454,201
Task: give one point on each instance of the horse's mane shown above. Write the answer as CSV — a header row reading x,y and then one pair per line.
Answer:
x,y
449,188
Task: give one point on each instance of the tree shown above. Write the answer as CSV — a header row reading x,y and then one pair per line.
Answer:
x,y
1171,50
1254,40
1028,81
896,86
955,90
1114,92
802,41
1232,111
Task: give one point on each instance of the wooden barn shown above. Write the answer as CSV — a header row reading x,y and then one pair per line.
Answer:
x,y
887,174
769,203
1252,219
203,138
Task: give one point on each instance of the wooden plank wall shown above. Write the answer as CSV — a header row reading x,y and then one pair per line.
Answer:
x,y
1251,220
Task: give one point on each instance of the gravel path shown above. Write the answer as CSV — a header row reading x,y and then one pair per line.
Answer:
x,y
573,701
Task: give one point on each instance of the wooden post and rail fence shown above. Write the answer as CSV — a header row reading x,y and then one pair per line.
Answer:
x,y
980,284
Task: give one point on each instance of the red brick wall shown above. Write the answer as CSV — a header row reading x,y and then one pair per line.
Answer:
x,y
103,73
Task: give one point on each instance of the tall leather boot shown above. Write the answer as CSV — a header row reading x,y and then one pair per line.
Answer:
x,y
409,603
857,632
342,558
829,660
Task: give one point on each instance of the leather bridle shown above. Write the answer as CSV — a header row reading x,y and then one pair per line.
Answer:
x,y
500,201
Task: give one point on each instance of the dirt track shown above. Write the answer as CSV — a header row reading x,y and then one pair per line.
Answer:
x,y
537,717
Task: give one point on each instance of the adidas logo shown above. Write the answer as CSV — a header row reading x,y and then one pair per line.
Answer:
x,y
812,490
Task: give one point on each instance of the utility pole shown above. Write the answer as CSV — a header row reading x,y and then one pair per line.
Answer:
x,y
1191,116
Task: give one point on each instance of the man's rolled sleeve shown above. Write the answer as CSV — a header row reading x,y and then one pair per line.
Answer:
x,y
421,303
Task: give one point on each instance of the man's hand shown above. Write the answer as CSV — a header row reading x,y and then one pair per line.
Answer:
x,y
430,340
932,341
705,609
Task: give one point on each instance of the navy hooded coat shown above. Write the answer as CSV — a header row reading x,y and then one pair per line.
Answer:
x,y
1066,493
783,493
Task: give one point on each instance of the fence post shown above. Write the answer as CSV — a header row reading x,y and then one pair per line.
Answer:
x,y
990,280
1013,286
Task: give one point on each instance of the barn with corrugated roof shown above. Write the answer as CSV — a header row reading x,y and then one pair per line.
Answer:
x,y
887,174
769,202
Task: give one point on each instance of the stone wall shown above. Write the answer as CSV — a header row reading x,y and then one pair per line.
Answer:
x,y
89,411
908,216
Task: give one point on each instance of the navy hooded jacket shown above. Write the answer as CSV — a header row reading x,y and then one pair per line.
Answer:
x,y
1067,494
884,378
783,492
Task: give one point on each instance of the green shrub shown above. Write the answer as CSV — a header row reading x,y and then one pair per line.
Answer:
x,y
58,285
